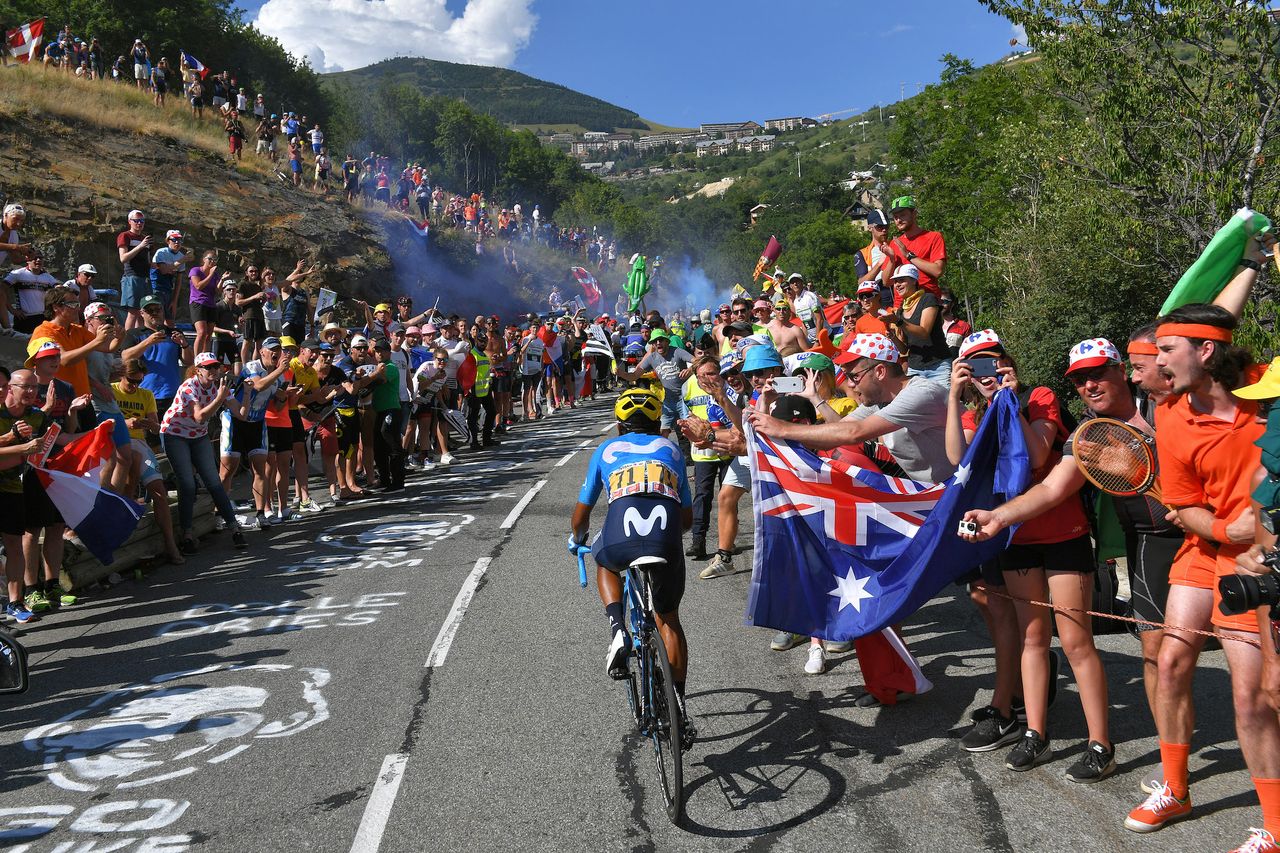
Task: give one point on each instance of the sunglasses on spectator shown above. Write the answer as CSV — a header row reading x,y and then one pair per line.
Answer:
x,y
866,296
856,378
739,310
360,346
138,219
1094,374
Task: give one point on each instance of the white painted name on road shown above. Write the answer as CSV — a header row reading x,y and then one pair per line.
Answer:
x,y
440,648
120,816
265,617
514,515
378,809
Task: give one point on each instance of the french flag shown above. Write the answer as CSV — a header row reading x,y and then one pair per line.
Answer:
x,y
195,64
23,42
103,520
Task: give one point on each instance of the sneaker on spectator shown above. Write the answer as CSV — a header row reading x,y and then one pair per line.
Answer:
x,y
446,458
1097,763
1159,808
237,539
265,521
784,640
1030,751
253,522
219,523
719,567
36,601
837,647
991,731
310,505
243,504
1259,841
284,515
18,612
817,662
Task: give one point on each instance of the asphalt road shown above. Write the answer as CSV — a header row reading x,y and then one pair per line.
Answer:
x,y
426,674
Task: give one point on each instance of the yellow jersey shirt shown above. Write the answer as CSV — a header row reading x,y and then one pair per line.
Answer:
x,y
136,404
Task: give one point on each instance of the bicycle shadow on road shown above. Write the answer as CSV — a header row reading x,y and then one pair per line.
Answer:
x,y
774,751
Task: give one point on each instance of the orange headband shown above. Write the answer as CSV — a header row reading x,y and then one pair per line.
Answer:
x,y
1194,330
1142,348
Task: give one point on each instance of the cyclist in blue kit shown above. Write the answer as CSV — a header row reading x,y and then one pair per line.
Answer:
x,y
650,507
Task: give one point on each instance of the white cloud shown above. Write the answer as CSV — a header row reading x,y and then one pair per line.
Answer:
x,y
336,35
897,29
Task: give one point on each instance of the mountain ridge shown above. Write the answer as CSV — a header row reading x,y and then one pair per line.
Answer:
x,y
509,96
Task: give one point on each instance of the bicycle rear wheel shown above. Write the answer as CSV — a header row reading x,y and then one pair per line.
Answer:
x,y
667,731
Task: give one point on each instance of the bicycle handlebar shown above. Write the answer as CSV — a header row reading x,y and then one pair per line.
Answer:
x,y
580,551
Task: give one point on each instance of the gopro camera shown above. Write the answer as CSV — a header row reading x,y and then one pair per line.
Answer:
x,y
967,528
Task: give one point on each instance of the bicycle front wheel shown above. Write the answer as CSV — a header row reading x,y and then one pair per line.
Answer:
x,y
666,730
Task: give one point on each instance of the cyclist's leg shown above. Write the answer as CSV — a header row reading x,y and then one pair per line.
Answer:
x,y
677,646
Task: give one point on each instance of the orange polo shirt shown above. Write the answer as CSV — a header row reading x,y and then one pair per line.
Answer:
x,y
1206,461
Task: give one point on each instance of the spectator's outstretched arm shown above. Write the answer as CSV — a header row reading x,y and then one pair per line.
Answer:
x,y
1234,296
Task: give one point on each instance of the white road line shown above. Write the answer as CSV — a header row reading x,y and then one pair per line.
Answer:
x,y
567,457
586,443
440,648
514,515
378,810
608,427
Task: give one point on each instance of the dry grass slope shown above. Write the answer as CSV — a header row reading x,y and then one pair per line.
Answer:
x,y
108,105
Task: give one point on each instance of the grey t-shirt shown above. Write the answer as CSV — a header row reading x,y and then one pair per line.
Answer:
x,y
99,366
920,446
667,369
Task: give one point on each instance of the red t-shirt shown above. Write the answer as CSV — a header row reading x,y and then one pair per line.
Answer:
x,y
927,245
1066,520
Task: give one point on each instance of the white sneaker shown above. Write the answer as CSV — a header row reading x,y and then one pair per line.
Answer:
x,y
250,523
446,459
817,662
219,523
310,505
426,465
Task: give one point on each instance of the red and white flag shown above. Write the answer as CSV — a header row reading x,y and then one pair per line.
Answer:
x,y
23,42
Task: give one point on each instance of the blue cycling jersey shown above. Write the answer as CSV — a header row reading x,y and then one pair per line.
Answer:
x,y
636,464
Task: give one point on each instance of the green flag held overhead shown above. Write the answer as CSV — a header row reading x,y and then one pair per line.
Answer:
x,y
1217,264
637,282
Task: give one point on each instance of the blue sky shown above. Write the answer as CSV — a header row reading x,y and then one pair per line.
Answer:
x,y
674,62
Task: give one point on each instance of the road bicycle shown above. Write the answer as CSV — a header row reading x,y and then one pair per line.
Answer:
x,y
651,691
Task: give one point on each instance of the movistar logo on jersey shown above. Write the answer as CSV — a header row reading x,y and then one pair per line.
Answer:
x,y
633,522
647,445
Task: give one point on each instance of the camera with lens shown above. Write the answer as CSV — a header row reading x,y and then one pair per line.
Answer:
x,y
1243,593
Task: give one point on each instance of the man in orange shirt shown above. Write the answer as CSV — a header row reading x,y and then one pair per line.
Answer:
x,y
1207,459
62,309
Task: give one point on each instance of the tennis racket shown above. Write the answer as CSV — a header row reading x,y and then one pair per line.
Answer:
x,y
1116,457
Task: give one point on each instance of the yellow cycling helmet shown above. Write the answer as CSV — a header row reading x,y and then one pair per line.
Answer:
x,y
638,407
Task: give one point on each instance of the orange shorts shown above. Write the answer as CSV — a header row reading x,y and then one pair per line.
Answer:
x,y
1247,622
1195,565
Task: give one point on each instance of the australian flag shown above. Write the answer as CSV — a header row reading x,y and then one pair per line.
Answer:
x,y
842,552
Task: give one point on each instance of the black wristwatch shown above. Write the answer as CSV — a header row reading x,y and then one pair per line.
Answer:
x,y
1250,263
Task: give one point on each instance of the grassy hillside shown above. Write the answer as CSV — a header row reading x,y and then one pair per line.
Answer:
x,y
508,96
